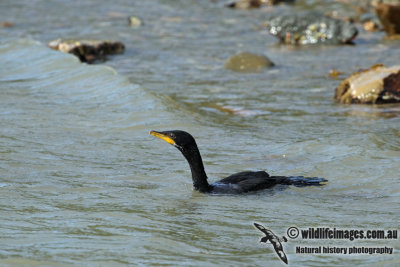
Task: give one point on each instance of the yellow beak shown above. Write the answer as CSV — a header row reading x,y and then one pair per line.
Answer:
x,y
163,137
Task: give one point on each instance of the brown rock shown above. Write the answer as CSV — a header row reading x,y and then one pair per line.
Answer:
x,y
334,73
6,24
88,50
389,15
376,85
392,37
248,62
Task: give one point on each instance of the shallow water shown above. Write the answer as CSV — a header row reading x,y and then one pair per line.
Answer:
x,y
82,182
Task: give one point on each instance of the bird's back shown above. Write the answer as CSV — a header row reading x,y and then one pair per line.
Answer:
x,y
247,181
243,182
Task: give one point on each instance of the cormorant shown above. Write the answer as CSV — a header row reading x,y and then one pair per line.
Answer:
x,y
241,182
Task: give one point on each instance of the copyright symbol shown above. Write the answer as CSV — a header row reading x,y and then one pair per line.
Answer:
x,y
293,232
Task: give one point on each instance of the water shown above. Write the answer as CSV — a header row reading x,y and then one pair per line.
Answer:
x,y
82,182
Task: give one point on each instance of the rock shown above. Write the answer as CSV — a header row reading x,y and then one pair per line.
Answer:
x,y
311,28
88,50
389,15
134,21
334,73
248,62
246,4
392,37
376,85
6,24
371,26
377,2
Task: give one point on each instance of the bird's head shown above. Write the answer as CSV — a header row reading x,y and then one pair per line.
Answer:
x,y
180,139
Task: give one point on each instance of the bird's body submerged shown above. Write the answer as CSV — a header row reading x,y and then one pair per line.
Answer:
x,y
241,182
248,181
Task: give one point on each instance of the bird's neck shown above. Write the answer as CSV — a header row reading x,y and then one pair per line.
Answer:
x,y
199,175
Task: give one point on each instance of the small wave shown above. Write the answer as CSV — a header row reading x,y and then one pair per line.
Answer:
x,y
54,81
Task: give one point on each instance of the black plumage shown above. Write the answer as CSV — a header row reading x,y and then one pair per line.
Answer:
x,y
241,182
